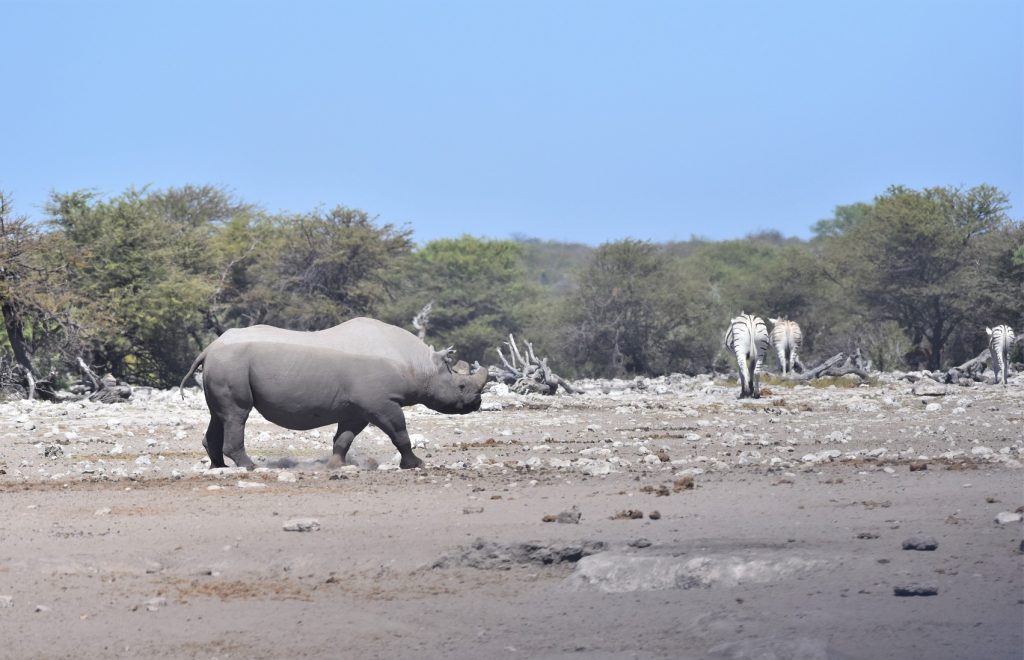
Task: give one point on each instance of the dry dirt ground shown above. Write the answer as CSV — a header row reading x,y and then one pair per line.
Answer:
x,y
694,526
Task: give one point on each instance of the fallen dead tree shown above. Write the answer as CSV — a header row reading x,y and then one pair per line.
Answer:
x,y
527,373
973,369
105,389
839,364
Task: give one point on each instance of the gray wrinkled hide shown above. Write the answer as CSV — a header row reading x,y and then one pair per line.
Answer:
x,y
357,373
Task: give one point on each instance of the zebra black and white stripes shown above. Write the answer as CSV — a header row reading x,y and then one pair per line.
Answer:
x,y
786,338
747,338
1000,344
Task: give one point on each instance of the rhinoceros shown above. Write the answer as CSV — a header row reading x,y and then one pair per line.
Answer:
x,y
357,373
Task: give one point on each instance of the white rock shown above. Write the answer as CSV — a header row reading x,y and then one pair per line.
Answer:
x,y
981,451
251,484
287,477
6,601
153,604
593,468
1007,517
933,407
105,511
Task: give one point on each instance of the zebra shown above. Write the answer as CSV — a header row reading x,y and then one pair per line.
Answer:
x,y
1000,344
786,337
747,338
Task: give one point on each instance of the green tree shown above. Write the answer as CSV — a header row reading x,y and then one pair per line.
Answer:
x,y
33,300
133,267
479,292
628,311
919,258
314,270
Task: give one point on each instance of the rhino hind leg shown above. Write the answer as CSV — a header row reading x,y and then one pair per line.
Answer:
x,y
234,442
213,442
347,431
391,420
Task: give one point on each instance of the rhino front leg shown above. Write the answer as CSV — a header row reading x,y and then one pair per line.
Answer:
x,y
391,420
347,431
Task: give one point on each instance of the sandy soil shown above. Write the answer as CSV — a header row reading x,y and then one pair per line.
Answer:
x,y
117,542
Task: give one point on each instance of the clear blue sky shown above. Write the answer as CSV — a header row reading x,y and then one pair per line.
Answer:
x,y
570,120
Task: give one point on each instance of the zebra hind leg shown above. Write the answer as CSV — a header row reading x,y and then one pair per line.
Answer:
x,y
741,366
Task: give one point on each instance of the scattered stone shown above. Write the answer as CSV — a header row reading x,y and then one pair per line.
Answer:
x,y
287,477
1008,517
683,483
105,511
6,602
302,525
570,517
926,543
928,387
867,535
933,407
628,514
549,517
660,490
42,608
654,515
489,555
53,451
915,590
918,466
639,543
472,509
663,456
251,484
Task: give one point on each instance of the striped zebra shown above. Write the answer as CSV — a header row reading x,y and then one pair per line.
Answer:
x,y
747,338
786,338
1000,344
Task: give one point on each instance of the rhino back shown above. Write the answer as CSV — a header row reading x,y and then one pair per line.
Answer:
x,y
300,386
365,336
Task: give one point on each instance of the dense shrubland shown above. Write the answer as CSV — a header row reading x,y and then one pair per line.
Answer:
x,y
137,283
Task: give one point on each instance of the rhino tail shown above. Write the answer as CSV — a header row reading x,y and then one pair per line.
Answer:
x,y
191,370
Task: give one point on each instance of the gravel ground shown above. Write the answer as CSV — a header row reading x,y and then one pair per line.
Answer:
x,y
657,518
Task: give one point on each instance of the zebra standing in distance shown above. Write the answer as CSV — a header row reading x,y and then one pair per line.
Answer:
x,y
747,338
1000,344
787,338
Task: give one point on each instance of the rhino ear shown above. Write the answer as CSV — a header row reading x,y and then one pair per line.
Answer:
x,y
445,357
